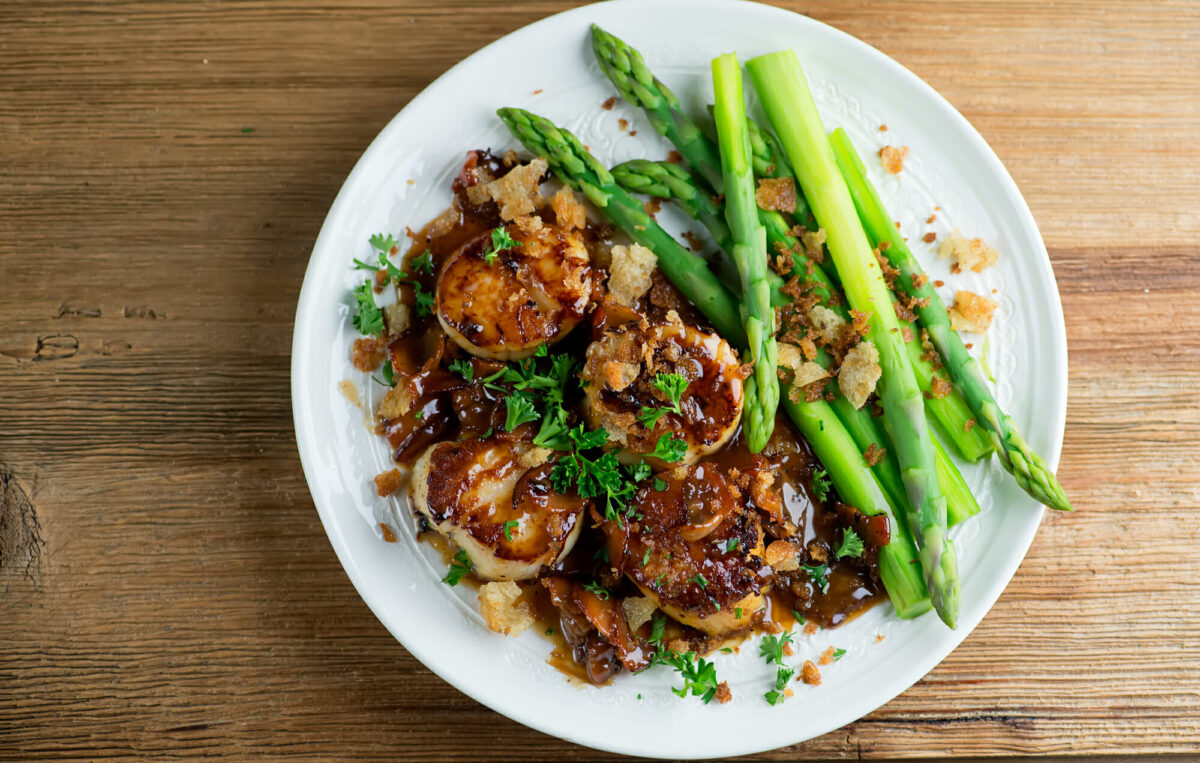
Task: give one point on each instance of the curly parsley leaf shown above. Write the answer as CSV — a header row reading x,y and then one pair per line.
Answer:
x,y
699,675
820,485
424,300
850,546
520,410
648,417
670,448
673,386
772,647
367,318
464,369
459,567
554,433
422,264
500,241
383,242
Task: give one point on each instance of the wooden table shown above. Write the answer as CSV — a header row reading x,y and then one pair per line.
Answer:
x,y
166,586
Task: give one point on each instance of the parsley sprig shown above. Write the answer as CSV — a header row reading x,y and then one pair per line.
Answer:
x,y
850,546
671,385
699,675
501,240
820,485
369,315
771,649
819,574
459,567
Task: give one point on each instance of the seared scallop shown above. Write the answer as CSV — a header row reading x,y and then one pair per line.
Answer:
x,y
696,549
623,385
493,499
530,294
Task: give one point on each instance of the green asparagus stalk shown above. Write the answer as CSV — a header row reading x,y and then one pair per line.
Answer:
x,y
788,103
749,252
1030,471
627,70
576,167
670,181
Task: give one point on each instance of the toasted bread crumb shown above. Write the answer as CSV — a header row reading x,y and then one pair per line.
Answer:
x,y
892,158
782,555
813,241
860,373
939,386
367,353
971,312
395,403
534,457
388,482
502,609
929,237
398,317
776,194
809,674
568,212
517,192
638,610
810,628
528,224
827,322
630,275
968,254
724,694
609,103
874,454
827,657
878,637
804,372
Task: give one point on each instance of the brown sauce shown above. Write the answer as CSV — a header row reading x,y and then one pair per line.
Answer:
x,y
453,409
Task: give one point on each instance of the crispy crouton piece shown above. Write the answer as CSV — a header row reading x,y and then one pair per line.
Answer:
x,y
776,194
860,373
502,609
388,482
638,610
567,210
395,403
892,158
534,457
782,555
618,375
805,372
724,693
398,317
809,674
517,192
827,322
971,312
967,254
630,275
528,224
813,241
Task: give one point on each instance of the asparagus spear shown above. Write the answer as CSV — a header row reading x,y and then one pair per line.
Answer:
x,y
749,253
670,181
1030,471
575,166
793,114
634,81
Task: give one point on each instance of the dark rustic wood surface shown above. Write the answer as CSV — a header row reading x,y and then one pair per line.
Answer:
x,y
166,589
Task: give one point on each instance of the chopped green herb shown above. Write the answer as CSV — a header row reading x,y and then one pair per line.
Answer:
x,y
851,545
771,648
673,386
541,351
660,484
732,545
383,242
782,676
699,675
601,553
549,631
658,626
464,369
700,580
726,650
520,411
737,612
368,318
554,432
247,130
819,573
422,264
599,590
646,558
500,241
800,619
648,417
419,414
670,448
459,567
508,528
838,654
424,300
820,485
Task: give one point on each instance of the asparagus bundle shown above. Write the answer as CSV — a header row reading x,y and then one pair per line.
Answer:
x,y
831,443
1016,456
749,252
670,181
793,115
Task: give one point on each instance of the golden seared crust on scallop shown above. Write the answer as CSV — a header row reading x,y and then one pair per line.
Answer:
x,y
620,372
695,548
469,490
529,295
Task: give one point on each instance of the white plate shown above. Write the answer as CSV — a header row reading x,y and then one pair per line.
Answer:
x,y
548,67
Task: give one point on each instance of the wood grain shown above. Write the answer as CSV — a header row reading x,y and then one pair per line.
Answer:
x,y
167,589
